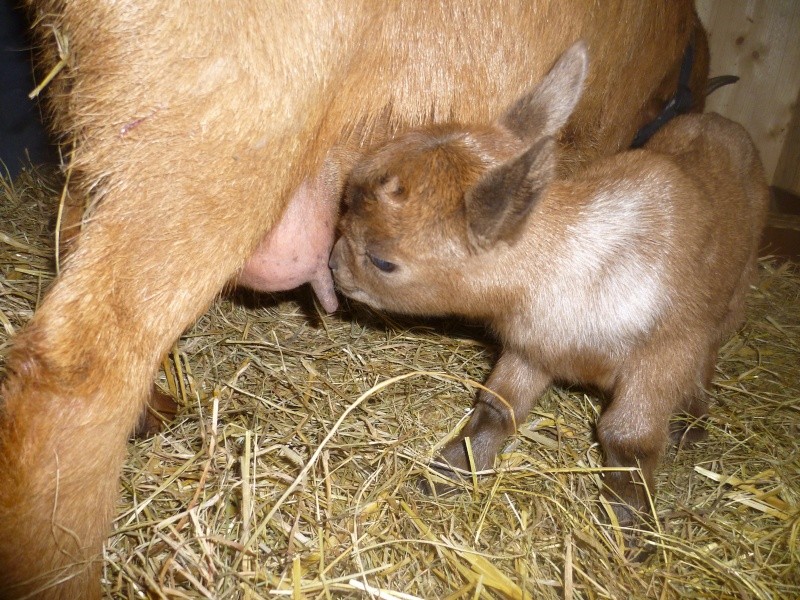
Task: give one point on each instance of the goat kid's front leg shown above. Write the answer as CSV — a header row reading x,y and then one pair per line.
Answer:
x,y
634,431
515,385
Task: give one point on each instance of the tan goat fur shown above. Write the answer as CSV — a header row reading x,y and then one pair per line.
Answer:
x,y
625,276
193,125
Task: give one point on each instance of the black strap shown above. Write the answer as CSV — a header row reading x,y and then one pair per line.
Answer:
x,y
680,102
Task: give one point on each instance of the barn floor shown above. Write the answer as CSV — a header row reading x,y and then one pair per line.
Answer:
x,y
290,468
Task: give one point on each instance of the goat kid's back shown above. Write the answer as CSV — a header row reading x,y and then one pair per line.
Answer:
x,y
664,236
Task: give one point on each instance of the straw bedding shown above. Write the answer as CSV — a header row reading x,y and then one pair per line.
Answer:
x,y
291,467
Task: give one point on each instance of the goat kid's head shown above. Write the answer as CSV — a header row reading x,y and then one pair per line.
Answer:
x,y
431,207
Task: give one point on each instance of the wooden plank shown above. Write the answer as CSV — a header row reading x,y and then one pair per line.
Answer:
x,y
787,174
758,40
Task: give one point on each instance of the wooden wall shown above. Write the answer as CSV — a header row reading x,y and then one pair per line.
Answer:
x,y
759,40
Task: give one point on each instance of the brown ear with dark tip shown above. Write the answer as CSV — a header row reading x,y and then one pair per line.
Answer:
x,y
499,204
545,110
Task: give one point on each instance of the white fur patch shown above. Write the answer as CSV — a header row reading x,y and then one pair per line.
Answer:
x,y
606,285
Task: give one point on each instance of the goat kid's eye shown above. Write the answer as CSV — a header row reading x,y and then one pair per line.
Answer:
x,y
383,265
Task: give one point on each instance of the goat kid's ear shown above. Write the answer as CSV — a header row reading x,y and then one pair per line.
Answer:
x,y
545,110
499,204
497,207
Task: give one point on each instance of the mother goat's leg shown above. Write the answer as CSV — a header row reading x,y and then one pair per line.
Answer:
x,y
148,263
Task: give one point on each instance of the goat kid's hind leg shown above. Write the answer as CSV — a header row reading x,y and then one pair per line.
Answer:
x,y
519,383
688,427
688,424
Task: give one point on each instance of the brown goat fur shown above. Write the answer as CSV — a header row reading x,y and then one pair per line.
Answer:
x,y
193,124
626,276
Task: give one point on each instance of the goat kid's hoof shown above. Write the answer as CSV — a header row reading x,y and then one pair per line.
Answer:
x,y
635,529
631,544
685,434
440,481
636,548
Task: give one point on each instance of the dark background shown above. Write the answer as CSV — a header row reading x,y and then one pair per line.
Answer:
x,y
23,139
